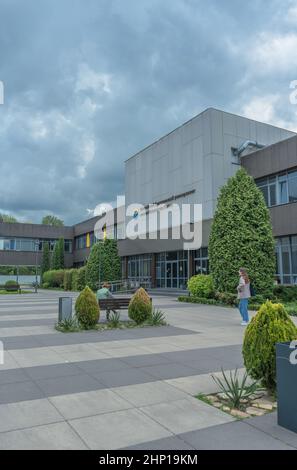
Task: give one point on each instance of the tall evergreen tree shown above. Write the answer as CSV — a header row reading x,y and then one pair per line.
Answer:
x,y
241,236
61,253
104,263
45,262
58,255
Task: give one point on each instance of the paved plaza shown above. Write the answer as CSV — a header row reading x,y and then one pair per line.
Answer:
x,y
122,389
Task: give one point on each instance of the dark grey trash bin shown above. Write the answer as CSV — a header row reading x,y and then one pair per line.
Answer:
x,y
286,376
65,308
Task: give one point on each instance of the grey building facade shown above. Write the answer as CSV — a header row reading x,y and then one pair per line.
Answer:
x,y
188,165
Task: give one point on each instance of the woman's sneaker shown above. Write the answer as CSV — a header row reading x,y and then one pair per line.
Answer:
x,y
244,323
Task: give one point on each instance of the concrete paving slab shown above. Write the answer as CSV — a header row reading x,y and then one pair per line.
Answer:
x,y
149,393
186,415
233,436
268,424
69,384
26,414
11,393
118,429
120,378
79,405
58,436
168,443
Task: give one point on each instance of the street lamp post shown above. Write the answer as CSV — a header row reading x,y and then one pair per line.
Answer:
x,y
36,264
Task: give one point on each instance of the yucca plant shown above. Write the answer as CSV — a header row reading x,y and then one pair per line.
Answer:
x,y
114,320
157,318
236,389
68,325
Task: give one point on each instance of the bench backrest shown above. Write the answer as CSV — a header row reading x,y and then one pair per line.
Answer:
x,y
117,302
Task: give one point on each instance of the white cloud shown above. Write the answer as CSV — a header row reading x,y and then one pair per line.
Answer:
x,y
265,109
89,79
272,52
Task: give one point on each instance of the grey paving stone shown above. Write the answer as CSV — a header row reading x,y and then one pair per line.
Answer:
x,y
79,405
101,365
233,436
118,429
21,342
268,424
70,384
146,360
10,393
121,378
51,371
12,376
168,443
26,414
20,323
185,415
169,371
24,342
58,436
149,393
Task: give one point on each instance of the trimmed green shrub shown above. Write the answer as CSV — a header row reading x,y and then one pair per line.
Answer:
x,y
67,283
74,279
81,278
111,261
198,300
140,306
54,278
269,326
241,236
12,285
104,263
285,293
87,308
226,298
92,268
201,285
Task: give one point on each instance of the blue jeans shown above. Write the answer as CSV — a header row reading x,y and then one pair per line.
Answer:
x,y
243,308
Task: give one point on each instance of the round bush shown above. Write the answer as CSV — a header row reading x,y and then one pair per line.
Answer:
x,y
140,306
87,308
201,285
11,285
269,326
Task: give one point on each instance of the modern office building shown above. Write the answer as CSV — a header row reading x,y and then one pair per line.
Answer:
x,y
188,165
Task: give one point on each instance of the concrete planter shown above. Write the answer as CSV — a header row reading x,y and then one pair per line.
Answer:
x,y
286,374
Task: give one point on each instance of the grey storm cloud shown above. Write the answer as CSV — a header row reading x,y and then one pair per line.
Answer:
x,y
89,83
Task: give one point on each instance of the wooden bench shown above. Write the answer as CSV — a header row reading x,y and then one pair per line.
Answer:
x,y
12,288
114,303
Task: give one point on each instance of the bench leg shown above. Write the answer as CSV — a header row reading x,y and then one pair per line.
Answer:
x,y
107,314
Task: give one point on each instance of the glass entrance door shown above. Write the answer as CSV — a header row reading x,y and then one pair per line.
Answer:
x,y
171,274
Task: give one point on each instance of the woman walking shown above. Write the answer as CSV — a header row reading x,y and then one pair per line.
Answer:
x,y
244,293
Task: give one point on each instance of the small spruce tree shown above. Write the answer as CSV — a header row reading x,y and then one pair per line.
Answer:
x,y
241,236
58,255
45,262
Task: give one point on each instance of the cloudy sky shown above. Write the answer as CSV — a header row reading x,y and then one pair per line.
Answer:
x,y
90,82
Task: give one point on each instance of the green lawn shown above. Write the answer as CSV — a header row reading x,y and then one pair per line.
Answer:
x,y
4,292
